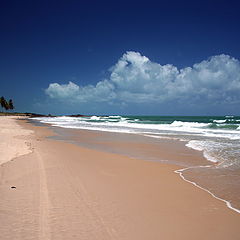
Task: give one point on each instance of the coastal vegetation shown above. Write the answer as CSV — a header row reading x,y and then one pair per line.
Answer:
x,y
7,105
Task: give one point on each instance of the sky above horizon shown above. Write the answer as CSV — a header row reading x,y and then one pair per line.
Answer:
x,y
126,57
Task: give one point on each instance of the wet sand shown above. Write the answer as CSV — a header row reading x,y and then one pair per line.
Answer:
x,y
65,191
223,183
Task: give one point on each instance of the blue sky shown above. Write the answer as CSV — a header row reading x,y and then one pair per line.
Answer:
x,y
126,57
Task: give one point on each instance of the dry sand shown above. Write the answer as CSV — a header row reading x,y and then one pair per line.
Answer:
x,y
63,191
13,139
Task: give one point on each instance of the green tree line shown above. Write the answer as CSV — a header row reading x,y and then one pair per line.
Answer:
x,y
7,105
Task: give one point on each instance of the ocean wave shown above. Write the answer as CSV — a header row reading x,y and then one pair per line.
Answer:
x,y
189,124
114,116
121,124
204,146
95,118
220,121
226,154
224,126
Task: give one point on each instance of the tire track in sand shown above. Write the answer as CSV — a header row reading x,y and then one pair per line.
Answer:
x,y
44,203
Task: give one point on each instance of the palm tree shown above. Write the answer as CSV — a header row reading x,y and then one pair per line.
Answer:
x,y
3,102
10,104
6,104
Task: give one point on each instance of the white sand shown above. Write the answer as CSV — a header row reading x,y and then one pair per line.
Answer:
x,y
13,139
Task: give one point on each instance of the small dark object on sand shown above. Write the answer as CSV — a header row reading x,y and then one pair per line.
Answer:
x,y
13,187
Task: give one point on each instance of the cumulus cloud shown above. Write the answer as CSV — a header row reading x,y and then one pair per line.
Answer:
x,y
103,91
56,90
136,79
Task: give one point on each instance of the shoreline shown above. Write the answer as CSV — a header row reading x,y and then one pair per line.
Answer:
x,y
181,168
228,204
68,192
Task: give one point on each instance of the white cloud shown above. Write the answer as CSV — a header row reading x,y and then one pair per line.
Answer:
x,y
56,90
136,79
103,91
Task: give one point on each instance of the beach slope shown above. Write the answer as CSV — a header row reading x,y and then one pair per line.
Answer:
x,y
58,190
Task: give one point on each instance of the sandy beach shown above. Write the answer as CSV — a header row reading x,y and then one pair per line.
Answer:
x,y
57,190
14,139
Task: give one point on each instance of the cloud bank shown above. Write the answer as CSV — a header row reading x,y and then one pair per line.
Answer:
x,y
135,79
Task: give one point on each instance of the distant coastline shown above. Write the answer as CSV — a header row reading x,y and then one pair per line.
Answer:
x,y
24,114
32,115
